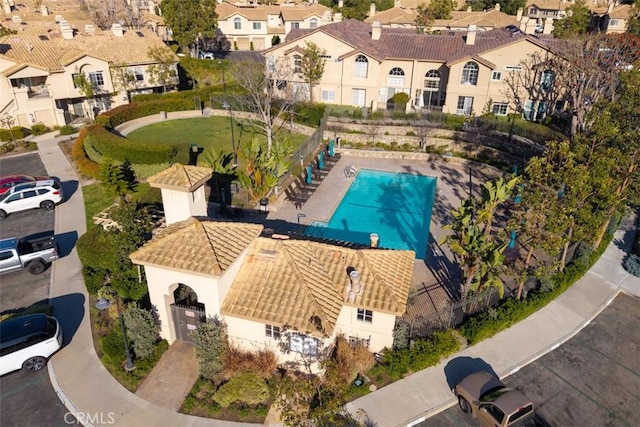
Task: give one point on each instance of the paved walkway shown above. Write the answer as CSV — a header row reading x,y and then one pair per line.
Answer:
x,y
90,392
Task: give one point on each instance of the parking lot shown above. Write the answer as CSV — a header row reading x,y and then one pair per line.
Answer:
x,y
28,399
591,380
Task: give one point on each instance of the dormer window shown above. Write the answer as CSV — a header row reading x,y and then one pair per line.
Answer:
x,y
364,315
237,24
313,24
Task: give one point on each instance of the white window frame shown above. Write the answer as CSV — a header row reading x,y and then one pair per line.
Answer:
x,y
297,64
395,78
359,97
328,96
303,344
295,25
361,66
432,81
500,108
313,23
364,315
496,76
257,25
470,73
465,105
237,23
272,332
613,23
96,78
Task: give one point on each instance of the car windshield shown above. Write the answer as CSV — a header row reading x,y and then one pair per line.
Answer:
x,y
4,195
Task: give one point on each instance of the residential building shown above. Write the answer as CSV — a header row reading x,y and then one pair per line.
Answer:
x,y
612,18
405,17
54,72
456,72
254,26
290,295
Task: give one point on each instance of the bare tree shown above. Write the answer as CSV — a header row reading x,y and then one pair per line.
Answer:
x,y
586,70
123,79
268,93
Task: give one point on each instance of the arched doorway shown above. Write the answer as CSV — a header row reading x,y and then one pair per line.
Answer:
x,y
186,311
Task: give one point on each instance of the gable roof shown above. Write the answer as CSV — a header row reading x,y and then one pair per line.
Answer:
x,y
302,284
406,43
549,4
202,247
41,44
180,177
301,12
395,15
490,18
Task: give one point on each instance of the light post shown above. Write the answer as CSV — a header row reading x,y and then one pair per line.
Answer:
x,y
233,138
103,304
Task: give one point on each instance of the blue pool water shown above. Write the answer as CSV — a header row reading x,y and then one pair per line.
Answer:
x,y
396,206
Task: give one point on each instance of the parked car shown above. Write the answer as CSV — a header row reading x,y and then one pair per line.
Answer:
x,y
27,342
6,182
207,55
539,28
33,254
494,404
38,194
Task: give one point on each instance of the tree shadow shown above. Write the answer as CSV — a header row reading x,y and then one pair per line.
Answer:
x,y
460,367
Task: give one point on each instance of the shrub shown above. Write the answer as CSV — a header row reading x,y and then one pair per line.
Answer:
x,y
247,388
67,130
142,330
113,347
39,129
632,264
261,363
18,133
211,345
85,166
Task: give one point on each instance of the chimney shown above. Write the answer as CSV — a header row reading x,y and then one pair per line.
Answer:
x,y
471,34
67,33
29,47
340,4
354,278
519,14
374,238
523,23
469,9
498,7
372,9
337,17
117,30
548,26
610,6
6,6
396,3
376,30
90,29
44,10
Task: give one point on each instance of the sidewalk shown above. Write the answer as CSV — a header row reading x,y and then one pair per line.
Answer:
x,y
427,392
90,392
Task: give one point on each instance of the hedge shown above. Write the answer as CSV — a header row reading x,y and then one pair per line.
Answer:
x,y
127,112
115,147
18,133
84,164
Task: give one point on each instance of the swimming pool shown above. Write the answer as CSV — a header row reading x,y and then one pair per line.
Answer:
x,y
396,206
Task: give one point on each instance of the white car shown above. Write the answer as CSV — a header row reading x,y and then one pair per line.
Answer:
x,y
27,342
44,194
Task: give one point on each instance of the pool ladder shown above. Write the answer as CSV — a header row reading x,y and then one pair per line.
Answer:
x,y
350,171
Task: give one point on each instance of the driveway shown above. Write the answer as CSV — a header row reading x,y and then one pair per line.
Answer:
x,y
591,380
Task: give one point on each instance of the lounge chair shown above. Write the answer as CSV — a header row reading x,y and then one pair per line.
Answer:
x,y
296,198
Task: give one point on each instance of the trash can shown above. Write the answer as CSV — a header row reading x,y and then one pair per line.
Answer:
x,y
264,205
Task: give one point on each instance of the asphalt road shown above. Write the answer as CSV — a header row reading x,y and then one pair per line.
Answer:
x,y
592,380
27,398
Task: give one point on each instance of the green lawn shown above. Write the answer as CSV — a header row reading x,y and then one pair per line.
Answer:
x,y
207,132
96,198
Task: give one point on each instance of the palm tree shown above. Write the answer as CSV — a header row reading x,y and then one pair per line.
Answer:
x,y
493,194
220,163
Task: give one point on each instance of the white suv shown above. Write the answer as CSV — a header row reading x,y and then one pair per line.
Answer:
x,y
27,342
44,194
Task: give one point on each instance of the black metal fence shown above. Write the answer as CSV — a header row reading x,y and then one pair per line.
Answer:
x,y
451,316
303,155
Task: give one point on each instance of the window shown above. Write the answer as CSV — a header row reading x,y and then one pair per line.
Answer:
x,y
465,104
257,25
395,77
303,344
359,342
237,24
364,315
297,64
496,75
272,331
96,78
533,11
499,108
361,66
137,73
76,77
313,24
470,74
546,81
613,23
358,97
432,81
271,64
6,255
494,411
328,96
295,25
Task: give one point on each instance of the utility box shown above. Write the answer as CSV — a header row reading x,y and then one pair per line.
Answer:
x,y
264,205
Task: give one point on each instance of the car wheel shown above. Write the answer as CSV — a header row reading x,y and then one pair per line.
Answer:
x,y
464,405
36,267
3,214
47,205
34,363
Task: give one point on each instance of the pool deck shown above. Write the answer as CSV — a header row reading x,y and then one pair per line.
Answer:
x,y
433,278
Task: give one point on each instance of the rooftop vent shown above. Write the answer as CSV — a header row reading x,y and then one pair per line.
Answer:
x,y
266,254
16,19
43,37
117,30
88,28
139,34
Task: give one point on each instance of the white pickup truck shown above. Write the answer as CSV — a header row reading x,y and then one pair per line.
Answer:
x,y
34,254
